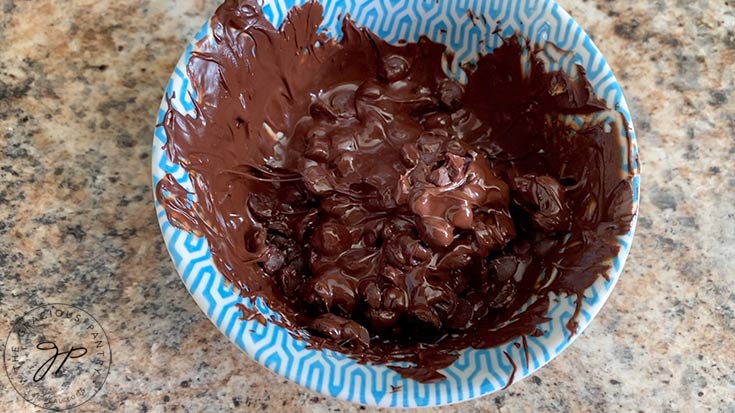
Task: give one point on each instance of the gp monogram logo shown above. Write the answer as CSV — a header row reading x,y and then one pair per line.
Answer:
x,y
57,356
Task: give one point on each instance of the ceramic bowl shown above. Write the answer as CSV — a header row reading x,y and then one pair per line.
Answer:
x,y
476,372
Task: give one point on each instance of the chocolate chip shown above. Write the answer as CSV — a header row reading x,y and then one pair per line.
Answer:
x,y
428,316
321,111
369,90
371,294
260,206
394,276
436,231
393,67
440,177
505,295
395,299
415,252
494,231
545,245
455,166
318,180
274,260
331,238
438,121
450,94
341,329
317,149
461,216
410,155
457,258
290,279
543,198
255,241
356,333
504,268
358,261
381,319
344,140
334,290
461,316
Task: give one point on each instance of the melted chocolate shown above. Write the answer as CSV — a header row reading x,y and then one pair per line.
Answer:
x,y
382,208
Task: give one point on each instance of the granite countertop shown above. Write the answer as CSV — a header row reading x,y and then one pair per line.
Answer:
x,y
80,84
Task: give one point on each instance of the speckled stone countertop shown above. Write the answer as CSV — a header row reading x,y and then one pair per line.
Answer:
x,y
80,84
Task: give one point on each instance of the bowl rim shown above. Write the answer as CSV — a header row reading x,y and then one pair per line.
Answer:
x,y
236,328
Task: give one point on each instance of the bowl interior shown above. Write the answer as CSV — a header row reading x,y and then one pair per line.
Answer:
x,y
476,372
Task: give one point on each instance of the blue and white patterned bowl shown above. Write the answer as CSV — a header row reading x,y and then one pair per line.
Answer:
x,y
476,372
